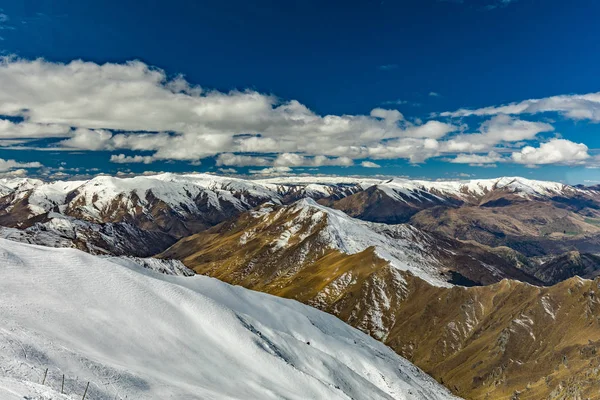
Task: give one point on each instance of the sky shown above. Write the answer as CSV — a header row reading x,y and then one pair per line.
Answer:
x,y
418,88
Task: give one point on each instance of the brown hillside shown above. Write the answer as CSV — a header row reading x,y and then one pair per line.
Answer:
x,y
502,341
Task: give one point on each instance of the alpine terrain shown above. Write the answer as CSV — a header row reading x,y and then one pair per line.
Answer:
x,y
463,278
136,333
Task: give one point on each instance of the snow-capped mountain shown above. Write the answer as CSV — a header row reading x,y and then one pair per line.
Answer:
x,y
356,270
474,190
109,214
135,333
397,200
106,215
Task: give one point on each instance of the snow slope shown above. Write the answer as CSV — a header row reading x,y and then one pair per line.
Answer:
x,y
405,247
133,332
476,188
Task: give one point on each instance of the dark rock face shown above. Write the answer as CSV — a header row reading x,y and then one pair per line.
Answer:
x,y
375,205
568,265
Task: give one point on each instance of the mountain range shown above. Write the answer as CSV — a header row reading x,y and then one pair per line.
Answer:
x,y
487,285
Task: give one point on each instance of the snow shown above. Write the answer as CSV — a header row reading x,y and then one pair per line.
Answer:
x,y
168,267
525,322
135,333
402,245
548,307
94,197
14,389
464,189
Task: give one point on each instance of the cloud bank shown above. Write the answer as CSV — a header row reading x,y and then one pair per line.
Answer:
x,y
133,107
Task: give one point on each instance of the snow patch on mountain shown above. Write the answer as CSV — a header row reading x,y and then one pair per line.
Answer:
x,y
402,245
420,190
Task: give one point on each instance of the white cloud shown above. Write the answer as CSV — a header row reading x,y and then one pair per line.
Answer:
x,y
499,129
272,171
391,116
476,159
135,107
6,165
297,160
555,151
434,94
577,107
229,159
14,173
431,129
9,129
504,128
123,159
369,164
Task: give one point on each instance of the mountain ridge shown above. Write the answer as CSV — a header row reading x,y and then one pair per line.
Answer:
x,y
136,333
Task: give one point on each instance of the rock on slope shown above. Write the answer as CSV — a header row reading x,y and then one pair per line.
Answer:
x,y
135,333
568,265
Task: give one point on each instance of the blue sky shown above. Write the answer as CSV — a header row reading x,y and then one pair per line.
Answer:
x,y
326,87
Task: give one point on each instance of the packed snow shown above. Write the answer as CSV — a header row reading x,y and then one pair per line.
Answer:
x,y
138,334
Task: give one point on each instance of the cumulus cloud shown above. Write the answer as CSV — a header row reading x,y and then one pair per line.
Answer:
x,y
500,129
9,129
555,151
369,164
229,159
123,159
7,165
272,171
297,160
577,107
477,159
133,107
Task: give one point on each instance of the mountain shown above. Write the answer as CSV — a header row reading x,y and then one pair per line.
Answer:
x,y
135,333
275,243
508,339
568,265
138,216
144,215
535,218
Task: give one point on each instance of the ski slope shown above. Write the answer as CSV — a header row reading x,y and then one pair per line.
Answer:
x,y
137,334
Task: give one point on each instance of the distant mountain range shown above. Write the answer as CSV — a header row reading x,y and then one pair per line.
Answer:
x,y
107,214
